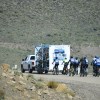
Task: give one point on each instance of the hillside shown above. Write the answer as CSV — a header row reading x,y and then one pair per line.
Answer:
x,y
24,23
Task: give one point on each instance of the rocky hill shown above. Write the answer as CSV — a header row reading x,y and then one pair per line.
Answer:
x,y
24,23
17,86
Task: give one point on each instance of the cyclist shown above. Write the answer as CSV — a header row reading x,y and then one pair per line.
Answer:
x,y
65,69
76,65
72,65
56,61
97,64
84,66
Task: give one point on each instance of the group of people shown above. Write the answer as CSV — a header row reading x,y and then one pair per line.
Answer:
x,y
79,66
76,66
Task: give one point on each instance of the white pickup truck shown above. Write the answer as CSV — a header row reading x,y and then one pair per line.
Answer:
x,y
28,64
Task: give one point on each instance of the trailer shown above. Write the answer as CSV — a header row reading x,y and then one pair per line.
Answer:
x,y
45,54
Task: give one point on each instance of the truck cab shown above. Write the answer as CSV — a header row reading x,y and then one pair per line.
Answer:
x,y
28,64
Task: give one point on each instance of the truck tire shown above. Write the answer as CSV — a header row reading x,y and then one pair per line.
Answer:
x,y
46,71
29,69
22,69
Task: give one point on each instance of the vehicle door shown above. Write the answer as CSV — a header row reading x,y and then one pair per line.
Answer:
x,y
25,63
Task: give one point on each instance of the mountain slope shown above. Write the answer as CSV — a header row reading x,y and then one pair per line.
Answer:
x,y
50,21
31,22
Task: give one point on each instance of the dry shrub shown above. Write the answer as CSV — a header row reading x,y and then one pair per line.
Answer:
x,y
52,85
65,89
2,94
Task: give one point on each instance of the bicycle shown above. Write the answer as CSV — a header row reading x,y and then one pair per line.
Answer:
x,y
55,70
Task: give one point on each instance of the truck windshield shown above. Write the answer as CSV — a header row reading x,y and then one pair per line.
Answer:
x,y
32,58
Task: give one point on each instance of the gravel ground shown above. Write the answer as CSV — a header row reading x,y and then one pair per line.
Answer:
x,y
88,88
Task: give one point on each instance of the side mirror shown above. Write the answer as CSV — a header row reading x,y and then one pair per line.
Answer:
x,y
22,59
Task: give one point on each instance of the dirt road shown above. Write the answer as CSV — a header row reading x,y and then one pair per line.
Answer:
x,y
88,88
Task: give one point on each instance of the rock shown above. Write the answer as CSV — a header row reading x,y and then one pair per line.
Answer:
x,y
69,96
12,73
12,78
4,75
46,92
25,77
22,83
39,93
21,77
26,94
11,83
33,88
19,88
5,67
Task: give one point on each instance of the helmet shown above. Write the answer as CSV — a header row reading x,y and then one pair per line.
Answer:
x,y
56,58
85,57
96,57
71,56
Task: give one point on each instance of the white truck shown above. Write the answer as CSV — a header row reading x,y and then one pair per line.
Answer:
x,y
28,64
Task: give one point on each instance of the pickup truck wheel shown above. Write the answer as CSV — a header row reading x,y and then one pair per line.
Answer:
x,y
29,69
22,69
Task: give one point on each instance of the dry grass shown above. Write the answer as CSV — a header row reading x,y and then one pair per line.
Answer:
x,y
65,89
